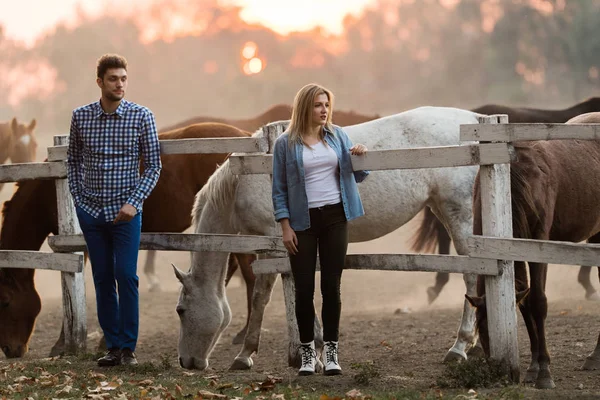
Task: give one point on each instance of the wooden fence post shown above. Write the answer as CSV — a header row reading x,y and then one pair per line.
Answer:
x,y
271,133
496,212
73,284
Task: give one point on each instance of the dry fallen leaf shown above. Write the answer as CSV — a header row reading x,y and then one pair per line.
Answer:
x,y
65,390
354,394
22,379
96,375
205,394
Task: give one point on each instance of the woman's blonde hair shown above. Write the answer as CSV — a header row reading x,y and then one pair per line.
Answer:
x,y
302,111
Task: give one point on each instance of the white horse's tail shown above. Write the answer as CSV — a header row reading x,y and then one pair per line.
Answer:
x,y
219,191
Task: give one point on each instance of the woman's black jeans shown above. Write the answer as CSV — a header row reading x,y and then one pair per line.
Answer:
x,y
328,233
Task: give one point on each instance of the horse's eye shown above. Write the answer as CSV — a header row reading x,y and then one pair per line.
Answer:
x,y
4,304
180,310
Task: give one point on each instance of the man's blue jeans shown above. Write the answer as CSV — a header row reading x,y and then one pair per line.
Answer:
x,y
113,252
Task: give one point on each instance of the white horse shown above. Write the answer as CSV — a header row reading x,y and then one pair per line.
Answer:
x,y
228,204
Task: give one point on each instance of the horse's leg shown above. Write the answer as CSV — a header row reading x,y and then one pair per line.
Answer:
x,y
441,278
244,261
460,223
538,304
153,282
262,295
525,308
585,273
592,362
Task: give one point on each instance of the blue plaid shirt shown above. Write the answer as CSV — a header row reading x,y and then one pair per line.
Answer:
x,y
103,158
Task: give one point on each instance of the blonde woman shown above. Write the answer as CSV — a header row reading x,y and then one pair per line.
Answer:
x,y
315,193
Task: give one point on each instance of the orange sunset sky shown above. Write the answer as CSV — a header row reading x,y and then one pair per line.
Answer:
x,y
26,20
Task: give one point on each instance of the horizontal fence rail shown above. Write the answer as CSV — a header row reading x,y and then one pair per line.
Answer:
x,y
190,146
41,260
524,132
31,171
394,262
248,244
542,251
411,158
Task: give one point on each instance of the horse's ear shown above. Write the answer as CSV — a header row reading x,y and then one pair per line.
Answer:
x,y
475,301
522,295
179,274
32,125
14,126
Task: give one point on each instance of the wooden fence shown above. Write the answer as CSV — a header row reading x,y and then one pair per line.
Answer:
x,y
491,255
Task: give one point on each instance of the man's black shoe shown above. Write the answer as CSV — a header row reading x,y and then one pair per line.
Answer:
x,y
128,357
112,358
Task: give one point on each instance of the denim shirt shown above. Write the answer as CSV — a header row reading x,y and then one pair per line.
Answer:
x,y
289,188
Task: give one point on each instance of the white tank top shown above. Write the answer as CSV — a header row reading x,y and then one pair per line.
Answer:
x,y
321,172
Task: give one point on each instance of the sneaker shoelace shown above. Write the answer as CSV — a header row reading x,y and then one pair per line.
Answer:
x,y
307,354
331,353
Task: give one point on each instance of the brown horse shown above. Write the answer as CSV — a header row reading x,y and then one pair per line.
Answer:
x,y
555,188
17,142
30,216
433,232
278,112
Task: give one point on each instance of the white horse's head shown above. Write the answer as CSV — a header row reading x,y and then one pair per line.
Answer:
x,y
227,204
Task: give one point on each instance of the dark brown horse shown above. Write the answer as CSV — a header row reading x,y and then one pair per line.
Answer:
x,y
555,188
30,216
432,232
278,112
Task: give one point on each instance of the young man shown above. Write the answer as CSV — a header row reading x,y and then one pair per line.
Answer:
x,y
106,141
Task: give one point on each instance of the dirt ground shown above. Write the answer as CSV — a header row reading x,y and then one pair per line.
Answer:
x,y
385,319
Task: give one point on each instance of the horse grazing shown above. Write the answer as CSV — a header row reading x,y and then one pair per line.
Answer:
x,y
17,142
30,216
555,187
432,231
230,204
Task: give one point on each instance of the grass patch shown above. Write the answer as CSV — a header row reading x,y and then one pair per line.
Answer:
x,y
474,373
365,372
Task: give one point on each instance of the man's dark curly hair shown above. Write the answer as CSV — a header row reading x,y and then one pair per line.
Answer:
x,y
109,61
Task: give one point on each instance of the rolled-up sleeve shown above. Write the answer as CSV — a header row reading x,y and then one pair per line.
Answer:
x,y
359,176
279,185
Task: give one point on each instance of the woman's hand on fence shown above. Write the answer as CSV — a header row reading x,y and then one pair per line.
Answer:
x,y
290,241
358,149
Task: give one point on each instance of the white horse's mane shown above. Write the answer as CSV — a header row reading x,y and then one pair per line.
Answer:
x,y
219,189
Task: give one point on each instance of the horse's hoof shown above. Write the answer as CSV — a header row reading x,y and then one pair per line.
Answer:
x,y
57,350
319,368
239,338
432,294
154,287
531,376
241,364
593,297
544,383
455,356
476,352
591,364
